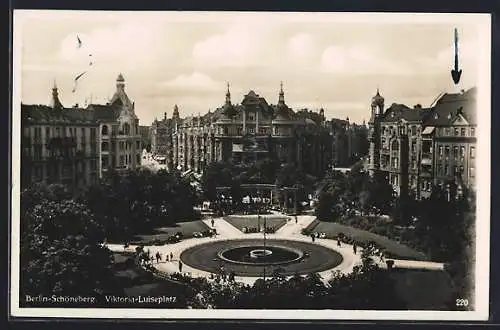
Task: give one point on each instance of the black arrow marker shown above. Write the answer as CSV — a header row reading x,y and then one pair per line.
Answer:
x,y
456,72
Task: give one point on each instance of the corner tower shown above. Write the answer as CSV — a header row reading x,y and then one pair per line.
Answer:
x,y
377,109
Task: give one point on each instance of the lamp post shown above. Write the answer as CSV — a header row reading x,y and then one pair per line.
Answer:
x,y
265,225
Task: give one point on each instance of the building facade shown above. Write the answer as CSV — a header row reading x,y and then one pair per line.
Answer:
x,y
250,131
349,142
418,148
449,137
76,146
59,145
119,139
162,136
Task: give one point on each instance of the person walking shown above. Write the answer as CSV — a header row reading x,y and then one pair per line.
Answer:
x,y
158,257
180,266
296,220
213,222
354,247
338,242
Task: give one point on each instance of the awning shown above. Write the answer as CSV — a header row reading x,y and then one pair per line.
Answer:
x,y
428,130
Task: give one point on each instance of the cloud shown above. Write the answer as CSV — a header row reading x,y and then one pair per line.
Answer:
x,y
301,47
357,59
240,45
194,81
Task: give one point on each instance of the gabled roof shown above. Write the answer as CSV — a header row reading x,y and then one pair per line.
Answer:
x,y
121,98
450,107
397,112
104,112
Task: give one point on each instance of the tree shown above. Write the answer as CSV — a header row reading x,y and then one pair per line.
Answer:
x,y
381,194
61,251
216,175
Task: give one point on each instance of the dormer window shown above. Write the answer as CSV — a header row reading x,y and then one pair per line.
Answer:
x,y
436,116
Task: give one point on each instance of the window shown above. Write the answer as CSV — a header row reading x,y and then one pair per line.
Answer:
x,y
262,130
114,129
276,130
47,133
138,145
414,130
446,151
472,172
104,162
455,130
58,132
447,131
252,130
462,131
138,159
104,130
93,133
126,129
446,170
440,169
472,152
462,151
82,131
395,145
440,150
472,131
455,151
455,169
122,145
251,116
105,146
129,159
122,161
37,152
461,169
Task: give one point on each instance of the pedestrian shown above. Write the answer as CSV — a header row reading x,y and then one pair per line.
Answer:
x,y
180,266
338,242
166,257
213,222
158,257
313,237
171,256
381,256
296,220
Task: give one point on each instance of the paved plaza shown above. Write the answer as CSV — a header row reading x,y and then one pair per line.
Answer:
x,y
291,231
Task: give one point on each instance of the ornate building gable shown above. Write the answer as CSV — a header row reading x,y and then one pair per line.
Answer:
x,y
121,101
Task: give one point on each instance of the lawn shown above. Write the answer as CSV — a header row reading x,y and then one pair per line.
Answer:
x,y
251,221
424,290
186,228
137,282
393,249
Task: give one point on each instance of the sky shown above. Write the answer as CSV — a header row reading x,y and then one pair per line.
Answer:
x,y
334,61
